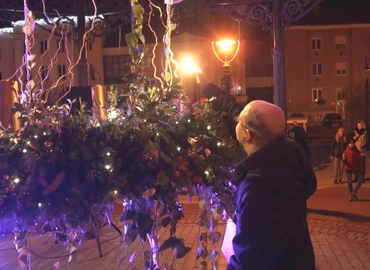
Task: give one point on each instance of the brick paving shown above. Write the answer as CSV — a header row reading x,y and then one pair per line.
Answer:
x,y
340,232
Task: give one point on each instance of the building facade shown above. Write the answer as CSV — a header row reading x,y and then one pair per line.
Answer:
x,y
321,62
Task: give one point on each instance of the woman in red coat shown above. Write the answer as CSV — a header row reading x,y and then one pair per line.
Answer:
x,y
353,165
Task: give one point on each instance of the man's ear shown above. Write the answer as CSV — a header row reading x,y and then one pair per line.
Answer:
x,y
248,136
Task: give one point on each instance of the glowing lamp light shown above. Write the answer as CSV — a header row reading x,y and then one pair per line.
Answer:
x,y
188,65
226,50
16,180
225,45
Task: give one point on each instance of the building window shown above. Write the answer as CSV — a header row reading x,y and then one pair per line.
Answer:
x,y
61,45
316,44
316,69
340,43
340,69
89,46
115,68
316,94
61,70
339,93
43,46
44,72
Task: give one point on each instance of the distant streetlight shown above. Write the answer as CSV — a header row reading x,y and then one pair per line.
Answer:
x,y
226,51
364,73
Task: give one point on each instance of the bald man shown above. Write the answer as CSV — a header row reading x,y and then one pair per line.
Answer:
x,y
273,184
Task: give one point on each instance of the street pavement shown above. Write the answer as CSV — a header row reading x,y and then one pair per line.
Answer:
x,y
340,232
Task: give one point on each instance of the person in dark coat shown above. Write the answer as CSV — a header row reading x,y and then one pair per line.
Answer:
x,y
299,135
353,165
273,184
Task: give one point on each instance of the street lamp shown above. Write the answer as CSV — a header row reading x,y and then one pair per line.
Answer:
x,y
365,75
226,51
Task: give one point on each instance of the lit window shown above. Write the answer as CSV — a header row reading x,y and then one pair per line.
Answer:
x,y
316,94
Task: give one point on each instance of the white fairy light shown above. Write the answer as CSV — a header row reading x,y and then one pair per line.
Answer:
x,y
208,127
39,204
24,150
112,114
108,154
189,120
219,143
107,166
178,148
177,122
16,180
206,172
115,192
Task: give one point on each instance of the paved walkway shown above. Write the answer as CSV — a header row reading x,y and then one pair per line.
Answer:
x,y
340,232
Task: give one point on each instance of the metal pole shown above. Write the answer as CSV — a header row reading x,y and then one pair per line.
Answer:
x,y
279,65
82,64
226,80
367,101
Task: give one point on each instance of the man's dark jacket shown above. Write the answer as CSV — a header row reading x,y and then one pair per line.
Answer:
x,y
273,185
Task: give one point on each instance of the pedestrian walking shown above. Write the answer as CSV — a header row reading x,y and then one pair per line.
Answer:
x,y
353,165
337,149
360,138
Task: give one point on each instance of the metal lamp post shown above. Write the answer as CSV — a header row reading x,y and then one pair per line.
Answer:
x,y
365,75
226,51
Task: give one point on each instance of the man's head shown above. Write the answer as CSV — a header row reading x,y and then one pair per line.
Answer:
x,y
259,123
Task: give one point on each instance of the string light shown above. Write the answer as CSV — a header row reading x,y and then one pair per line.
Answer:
x,y
24,151
39,205
108,154
219,143
179,148
208,127
16,180
189,120
115,192
206,172
107,166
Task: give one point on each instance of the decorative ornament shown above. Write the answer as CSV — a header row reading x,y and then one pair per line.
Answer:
x,y
48,144
151,152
